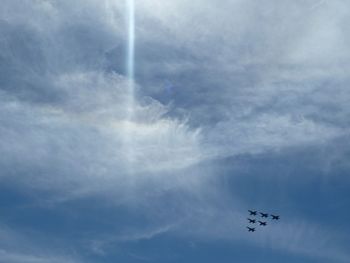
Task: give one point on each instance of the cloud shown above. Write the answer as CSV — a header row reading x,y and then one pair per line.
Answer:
x,y
66,118
242,83
273,84
86,138
268,132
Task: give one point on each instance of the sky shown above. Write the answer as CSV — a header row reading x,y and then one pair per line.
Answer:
x,y
233,105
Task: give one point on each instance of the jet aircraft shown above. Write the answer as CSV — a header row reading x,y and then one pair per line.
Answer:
x,y
263,214
251,229
252,213
251,220
275,217
262,223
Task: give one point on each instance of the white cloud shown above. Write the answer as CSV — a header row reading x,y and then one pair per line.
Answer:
x,y
263,83
268,132
89,138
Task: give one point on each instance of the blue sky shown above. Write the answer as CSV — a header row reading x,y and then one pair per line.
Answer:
x,y
236,105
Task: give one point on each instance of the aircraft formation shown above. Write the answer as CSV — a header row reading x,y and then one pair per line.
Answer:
x,y
258,219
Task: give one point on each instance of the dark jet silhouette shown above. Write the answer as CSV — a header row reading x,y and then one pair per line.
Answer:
x,y
275,217
252,213
262,223
263,214
251,229
251,220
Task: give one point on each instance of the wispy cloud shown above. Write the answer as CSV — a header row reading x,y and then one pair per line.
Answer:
x,y
246,78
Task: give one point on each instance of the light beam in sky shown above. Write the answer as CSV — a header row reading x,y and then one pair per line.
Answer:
x,y
131,54
131,39
130,103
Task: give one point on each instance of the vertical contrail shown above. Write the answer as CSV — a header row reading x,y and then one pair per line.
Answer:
x,y
131,54
131,38
130,68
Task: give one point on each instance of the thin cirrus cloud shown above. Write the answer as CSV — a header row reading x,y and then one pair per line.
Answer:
x,y
59,121
245,83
